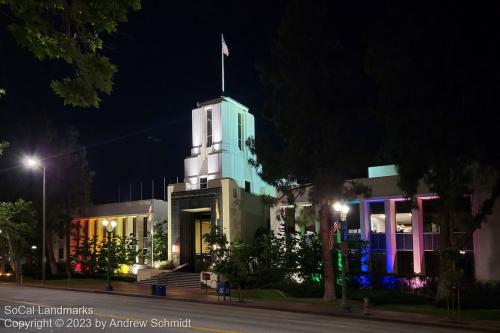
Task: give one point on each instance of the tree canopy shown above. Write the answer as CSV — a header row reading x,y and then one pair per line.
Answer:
x,y
319,107
17,220
72,32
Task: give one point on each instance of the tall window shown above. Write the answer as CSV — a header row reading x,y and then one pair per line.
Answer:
x,y
240,131
209,128
203,182
124,227
145,227
134,226
403,216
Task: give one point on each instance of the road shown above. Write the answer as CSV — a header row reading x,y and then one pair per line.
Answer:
x,y
114,313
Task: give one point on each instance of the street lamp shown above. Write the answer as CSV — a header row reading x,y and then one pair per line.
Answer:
x,y
343,209
109,228
34,163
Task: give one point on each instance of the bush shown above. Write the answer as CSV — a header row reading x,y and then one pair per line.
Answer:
x,y
480,295
381,297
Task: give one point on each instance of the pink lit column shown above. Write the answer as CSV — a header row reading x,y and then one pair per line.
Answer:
x,y
417,225
390,235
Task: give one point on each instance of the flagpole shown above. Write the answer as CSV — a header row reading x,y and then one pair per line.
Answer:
x,y
222,60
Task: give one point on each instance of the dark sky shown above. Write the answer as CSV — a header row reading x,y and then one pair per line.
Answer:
x,y
168,57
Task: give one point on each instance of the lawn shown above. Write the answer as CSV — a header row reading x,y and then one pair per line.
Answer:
x,y
431,310
425,309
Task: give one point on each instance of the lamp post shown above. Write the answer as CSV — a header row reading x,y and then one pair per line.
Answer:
x,y
343,209
109,228
33,163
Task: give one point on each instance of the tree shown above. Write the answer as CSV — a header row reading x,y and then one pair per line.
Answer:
x,y
17,220
68,177
319,108
234,264
437,70
71,31
3,146
160,241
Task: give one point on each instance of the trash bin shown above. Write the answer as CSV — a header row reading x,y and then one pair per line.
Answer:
x,y
223,289
161,290
153,289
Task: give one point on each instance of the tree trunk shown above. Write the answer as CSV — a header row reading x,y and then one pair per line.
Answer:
x,y
326,253
51,258
3,263
67,260
445,264
15,262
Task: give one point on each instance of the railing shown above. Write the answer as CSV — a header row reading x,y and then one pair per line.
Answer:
x,y
377,241
354,237
404,241
431,241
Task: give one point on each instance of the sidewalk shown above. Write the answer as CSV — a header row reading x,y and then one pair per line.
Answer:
x,y
198,295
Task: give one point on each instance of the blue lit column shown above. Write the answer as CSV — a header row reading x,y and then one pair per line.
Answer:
x,y
390,235
364,225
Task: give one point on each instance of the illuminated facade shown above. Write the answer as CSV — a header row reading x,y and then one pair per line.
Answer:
x,y
220,189
133,219
404,239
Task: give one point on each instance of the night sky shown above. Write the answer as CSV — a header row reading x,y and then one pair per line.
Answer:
x,y
168,58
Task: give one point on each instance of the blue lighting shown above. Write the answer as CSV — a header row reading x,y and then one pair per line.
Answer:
x,y
389,281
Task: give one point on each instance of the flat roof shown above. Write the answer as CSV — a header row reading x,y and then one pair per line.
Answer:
x,y
220,100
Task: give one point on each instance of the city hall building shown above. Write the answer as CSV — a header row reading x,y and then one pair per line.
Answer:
x,y
220,189
133,219
403,238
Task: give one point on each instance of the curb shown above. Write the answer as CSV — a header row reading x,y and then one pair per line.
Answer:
x,y
466,326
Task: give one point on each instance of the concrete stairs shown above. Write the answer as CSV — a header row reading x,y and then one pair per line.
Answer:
x,y
175,279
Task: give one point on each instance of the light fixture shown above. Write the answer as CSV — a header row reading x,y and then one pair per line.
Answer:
x,y
105,223
337,206
34,247
345,209
32,162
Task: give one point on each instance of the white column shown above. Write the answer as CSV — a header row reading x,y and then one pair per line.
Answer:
x,y
364,225
390,235
417,225
364,217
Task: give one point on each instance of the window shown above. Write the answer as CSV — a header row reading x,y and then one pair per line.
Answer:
x,y
353,221
430,209
377,217
145,226
240,131
209,128
134,226
203,182
403,216
124,227
247,187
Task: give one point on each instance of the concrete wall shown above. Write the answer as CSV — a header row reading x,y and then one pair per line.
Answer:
x,y
486,242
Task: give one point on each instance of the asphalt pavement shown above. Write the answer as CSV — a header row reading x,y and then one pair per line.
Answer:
x,y
26,309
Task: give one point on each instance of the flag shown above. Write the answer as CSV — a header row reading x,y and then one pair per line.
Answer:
x,y
225,50
333,230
